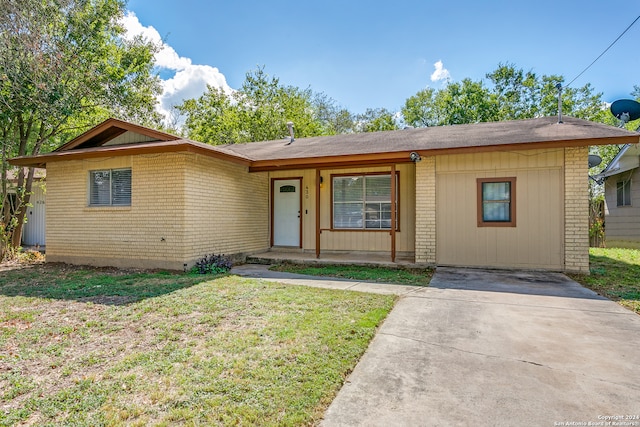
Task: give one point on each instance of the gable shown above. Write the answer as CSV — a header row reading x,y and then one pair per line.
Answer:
x,y
115,132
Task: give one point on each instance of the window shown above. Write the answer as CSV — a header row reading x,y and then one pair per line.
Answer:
x,y
496,202
624,193
363,202
111,187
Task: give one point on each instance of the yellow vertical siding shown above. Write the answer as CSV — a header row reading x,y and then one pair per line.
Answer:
x,y
537,239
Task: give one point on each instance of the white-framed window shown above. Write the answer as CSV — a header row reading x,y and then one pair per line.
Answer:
x,y
110,187
363,201
623,191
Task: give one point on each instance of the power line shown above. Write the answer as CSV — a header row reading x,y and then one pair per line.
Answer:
x,y
605,51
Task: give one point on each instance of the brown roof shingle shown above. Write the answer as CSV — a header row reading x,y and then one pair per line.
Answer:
x,y
374,147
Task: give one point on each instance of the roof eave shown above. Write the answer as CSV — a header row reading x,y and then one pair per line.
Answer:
x,y
128,150
403,156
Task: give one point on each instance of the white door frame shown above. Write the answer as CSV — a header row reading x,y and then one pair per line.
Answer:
x,y
297,181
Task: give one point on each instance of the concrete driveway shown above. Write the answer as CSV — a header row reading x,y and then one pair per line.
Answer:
x,y
491,348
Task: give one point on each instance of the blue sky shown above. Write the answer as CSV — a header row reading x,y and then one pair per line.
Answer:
x,y
377,54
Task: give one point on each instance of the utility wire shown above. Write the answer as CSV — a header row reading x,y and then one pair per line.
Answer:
x,y
605,51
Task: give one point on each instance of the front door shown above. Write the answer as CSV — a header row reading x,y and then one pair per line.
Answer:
x,y
286,212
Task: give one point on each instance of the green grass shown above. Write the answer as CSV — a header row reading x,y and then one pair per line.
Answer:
x,y
615,274
400,276
94,347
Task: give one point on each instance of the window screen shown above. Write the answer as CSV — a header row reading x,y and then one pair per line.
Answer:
x,y
362,202
110,187
623,190
496,202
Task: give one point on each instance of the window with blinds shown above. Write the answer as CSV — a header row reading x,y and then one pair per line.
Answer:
x,y
362,202
111,187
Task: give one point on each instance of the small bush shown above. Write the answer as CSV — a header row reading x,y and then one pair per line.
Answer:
x,y
212,264
30,257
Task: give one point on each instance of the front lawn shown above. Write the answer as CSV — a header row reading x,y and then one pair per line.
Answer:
x,y
95,347
615,274
400,276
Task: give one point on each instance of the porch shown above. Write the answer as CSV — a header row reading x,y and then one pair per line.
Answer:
x,y
379,259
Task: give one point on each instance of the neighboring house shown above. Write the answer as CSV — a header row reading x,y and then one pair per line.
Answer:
x,y
622,198
33,231
507,195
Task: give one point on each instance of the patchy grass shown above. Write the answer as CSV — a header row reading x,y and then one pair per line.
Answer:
x,y
401,276
615,274
103,347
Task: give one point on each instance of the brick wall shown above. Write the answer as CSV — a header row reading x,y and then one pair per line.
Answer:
x,y
576,210
227,208
425,235
181,208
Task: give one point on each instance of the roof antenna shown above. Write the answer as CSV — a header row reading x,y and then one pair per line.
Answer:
x,y
559,87
290,126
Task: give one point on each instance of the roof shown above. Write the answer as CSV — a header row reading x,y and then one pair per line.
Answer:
x,y
111,129
362,148
627,158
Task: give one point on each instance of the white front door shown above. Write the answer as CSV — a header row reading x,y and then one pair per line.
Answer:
x,y
286,212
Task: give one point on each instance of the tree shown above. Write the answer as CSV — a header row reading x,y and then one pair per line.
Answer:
x,y
511,94
258,111
64,65
375,120
515,92
457,103
333,119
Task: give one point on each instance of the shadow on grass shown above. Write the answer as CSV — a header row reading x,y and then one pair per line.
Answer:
x,y
613,278
96,285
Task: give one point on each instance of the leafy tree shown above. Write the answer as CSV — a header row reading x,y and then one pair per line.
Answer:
x,y
457,103
258,111
333,119
64,65
375,120
516,92
511,94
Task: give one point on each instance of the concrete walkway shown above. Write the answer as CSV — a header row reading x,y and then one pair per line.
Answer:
x,y
494,348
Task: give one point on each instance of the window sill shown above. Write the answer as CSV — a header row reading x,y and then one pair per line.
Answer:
x,y
360,230
110,208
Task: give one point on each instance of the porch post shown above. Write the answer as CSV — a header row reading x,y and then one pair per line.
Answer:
x,y
393,213
318,213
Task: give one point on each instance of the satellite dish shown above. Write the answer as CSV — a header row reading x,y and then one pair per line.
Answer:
x,y
594,160
625,110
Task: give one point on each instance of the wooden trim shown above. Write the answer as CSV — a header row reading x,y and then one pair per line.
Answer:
x,y
318,230
397,223
333,162
512,204
301,201
394,202
128,150
115,123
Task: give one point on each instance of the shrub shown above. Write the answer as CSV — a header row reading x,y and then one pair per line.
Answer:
x,y
30,257
212,264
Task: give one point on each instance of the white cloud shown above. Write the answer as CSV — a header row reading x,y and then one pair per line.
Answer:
x,y
440,73
189,80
